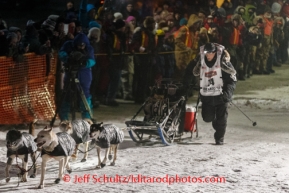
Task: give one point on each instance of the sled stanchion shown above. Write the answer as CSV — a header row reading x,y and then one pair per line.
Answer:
x,y
163,113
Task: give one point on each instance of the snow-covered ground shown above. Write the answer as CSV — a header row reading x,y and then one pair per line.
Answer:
x,y
253,159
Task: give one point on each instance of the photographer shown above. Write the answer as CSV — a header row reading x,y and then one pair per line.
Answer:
x,y
78,57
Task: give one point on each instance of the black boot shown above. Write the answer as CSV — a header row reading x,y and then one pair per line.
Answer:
x,y
220,141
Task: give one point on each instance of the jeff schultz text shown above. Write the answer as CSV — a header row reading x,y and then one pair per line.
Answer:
x,y
88,178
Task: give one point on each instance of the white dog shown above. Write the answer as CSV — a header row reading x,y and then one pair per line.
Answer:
x,y
58,146
108,137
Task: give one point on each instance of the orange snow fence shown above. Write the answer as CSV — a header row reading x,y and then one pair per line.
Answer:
x,y
27,89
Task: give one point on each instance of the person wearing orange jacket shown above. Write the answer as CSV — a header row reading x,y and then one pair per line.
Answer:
x,y
266,41
184,38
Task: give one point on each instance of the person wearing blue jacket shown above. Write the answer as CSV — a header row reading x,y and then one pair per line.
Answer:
x,y
87,13
79,54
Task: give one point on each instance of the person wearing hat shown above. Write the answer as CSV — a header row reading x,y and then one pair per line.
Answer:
x,y
60,34
217,82
18,31
232,40
116,46
212,7
275,55
127,73
87,13
94,34
257,48
171,26
117,15
202,14
267,41
185,37
253,41
144,45
31,39
77,56
228,6
129,10
276,8
165,63
19,49
204,38
3,24
250,11
208,22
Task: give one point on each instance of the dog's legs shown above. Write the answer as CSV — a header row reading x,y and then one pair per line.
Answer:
x,y
33,158
115,147
110,152
7,168
86,152
61,168
75,154
98,156
69,170
24,166
103,163
45,158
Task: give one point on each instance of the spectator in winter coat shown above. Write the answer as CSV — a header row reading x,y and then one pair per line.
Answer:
x,y
144,46
204,38
31,38
116,47
183,44
77,56
129,10
87,13
128,69
165,63
70,13
16,47
253,40
94,40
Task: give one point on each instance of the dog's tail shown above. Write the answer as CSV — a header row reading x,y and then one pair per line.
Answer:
x,y
32,127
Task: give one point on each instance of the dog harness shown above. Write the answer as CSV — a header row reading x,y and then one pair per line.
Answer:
x,y
81,130
65,147
110,134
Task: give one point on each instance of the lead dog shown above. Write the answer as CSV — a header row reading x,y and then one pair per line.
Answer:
x,y
108,137
79,131
58,146
20,145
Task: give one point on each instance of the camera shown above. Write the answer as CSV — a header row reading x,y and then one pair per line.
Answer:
x,y
75,60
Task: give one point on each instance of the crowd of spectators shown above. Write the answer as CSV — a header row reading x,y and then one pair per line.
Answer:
x,y
139,42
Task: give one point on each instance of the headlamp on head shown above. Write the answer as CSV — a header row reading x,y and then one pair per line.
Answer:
x,y
209,48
